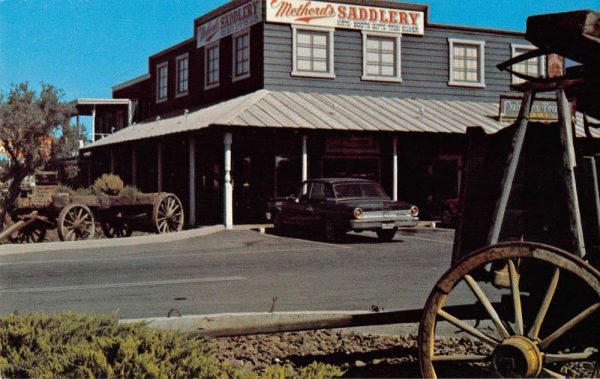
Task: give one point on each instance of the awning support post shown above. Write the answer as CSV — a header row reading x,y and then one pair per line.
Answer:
x,y
395,168
159,167
228,187
192,180
94,123
304,158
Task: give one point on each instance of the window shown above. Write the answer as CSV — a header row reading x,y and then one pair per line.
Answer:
x,y
211,53
182,75
317,192
162,82
381,57
535,67
312,52
241,56
467,63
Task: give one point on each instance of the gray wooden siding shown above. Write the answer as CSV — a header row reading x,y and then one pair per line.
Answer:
x,y
424,65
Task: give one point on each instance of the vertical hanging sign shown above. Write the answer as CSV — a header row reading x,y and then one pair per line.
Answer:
x,y
229,23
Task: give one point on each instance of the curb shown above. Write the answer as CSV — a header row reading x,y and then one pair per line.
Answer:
x,y
11,249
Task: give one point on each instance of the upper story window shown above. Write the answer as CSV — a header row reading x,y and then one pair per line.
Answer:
x,y
381,57
312,52
182,79
241,55
162,82
211,64
467,63
535,67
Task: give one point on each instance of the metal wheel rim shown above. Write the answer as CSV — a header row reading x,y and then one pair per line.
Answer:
x,y
560,260
168,214
76,222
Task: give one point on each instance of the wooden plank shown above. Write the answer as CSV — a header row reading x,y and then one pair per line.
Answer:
x,y
513,162
566,136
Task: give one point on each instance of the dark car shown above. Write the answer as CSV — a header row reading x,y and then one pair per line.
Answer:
x,y
338,205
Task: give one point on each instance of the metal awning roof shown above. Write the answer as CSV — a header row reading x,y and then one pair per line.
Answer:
x,y
317,111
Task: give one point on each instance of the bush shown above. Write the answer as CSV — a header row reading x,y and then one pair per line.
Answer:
x,y
107,184
76,346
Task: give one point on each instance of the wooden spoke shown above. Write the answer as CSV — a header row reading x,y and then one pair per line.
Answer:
x,y
487,305
460,358
539,319
516,295
568,357
569,325
468,328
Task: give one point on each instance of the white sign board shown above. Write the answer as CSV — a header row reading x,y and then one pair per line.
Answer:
x,y
229,23
349,16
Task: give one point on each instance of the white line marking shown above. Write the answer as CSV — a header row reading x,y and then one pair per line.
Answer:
x,y
84,287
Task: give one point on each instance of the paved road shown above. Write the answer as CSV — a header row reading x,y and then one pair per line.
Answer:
x,y
230,271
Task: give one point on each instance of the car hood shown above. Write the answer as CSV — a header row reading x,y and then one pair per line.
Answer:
x,y
373,204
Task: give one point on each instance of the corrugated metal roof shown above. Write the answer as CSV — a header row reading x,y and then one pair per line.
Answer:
x,y
299,110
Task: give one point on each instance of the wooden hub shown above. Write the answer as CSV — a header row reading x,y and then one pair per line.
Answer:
x,y
517,357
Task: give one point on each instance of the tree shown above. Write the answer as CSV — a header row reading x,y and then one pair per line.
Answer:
x,y
28,123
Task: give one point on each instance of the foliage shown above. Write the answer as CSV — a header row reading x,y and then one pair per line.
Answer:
x,y
75,346
28,122
107,184
130,192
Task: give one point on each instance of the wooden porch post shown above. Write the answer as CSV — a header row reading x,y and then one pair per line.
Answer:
x,y
304,158
395,168
228,188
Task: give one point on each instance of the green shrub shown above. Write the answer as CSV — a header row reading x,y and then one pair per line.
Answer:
x,y
69,345
107,184
130,191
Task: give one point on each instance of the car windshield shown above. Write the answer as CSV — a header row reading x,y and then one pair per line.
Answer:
x,y
349,190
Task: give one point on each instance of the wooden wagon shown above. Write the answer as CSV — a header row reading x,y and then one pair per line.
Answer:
x,y
75,216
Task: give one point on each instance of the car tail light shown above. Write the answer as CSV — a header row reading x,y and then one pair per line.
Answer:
x,y
414,211
358,213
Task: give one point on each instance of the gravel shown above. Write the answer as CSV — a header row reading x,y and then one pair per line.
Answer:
x,y
358,355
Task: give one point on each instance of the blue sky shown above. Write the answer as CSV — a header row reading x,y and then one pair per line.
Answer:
x,y
86,46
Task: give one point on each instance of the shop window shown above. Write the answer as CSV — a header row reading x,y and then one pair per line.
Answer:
x,y
312,52
241,56
381,57
467,63
535,67
211,53
182,75
162,82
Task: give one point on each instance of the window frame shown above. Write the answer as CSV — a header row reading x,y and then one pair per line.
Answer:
x,y
159,67
330,74
397,37
481,63
541,60
234,38
207,48
177,73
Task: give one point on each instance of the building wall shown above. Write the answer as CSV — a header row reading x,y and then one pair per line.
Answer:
x,y
424,65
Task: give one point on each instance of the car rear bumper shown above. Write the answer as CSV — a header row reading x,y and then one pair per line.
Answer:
x,y
383,223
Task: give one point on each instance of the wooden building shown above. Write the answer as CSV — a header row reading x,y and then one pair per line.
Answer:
x,y
268,93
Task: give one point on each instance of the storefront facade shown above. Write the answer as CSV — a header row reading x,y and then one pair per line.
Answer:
x,y
268,93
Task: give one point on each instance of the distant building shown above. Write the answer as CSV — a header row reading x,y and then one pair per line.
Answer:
x,y
268,93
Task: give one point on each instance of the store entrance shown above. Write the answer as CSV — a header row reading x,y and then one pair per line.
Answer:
x,y
352,167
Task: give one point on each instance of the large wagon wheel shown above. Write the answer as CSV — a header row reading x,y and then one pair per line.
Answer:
x,y
167,214
549,323
33,233
116,228
76,222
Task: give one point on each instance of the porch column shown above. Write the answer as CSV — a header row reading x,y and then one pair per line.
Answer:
x,y
304,158
159,167
395,169
192,175
94,123
227,188
112,161
133,166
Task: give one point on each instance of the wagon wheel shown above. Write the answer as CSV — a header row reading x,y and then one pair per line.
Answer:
x,y
76,222
167,214
544,328
116,229
32,233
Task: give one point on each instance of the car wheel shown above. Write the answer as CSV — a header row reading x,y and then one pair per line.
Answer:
x,y
332,232
447,218
278,225
386,235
